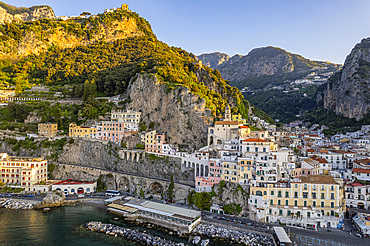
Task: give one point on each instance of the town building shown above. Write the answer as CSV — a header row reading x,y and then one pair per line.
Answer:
x,y
357,195
76,131
110,130
171,217
22,172
361,221
70,187
309,202
130,119
48,129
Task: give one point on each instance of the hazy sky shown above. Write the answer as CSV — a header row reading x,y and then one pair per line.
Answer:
x,y
316,29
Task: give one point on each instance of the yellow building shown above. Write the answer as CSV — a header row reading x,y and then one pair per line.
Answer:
x,y
48,129
229,171
148,137
22,171
238,118
311,201
76,131
245,171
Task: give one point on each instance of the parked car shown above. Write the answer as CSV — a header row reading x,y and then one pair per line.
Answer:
x,y
358,235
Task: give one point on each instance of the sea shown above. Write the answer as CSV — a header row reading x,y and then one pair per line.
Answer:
x,y
63,226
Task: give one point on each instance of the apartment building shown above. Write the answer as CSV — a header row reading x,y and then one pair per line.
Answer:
x,y
110,130
309,202
130,119
76,131
48,129
357,195
22,172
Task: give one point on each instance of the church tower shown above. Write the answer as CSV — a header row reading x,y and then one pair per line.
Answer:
x,y
227,113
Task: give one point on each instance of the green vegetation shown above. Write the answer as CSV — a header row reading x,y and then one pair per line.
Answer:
x,y
171,186
203,200
140,146
232,208
51,168
100,185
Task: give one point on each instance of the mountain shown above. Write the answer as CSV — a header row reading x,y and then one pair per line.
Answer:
x,y
117,53
279,82
347,92
213,60
10,13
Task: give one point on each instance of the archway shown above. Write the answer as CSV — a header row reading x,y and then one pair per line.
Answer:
x,y
211,140
360,205
202,170
197,170
80,190
206,171
219,141
123,183
156,188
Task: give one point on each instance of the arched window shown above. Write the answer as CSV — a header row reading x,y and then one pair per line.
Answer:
x,y
258,193
88,189
72,190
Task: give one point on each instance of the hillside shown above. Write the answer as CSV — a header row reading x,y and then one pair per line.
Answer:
x,y
281,83
213,60
10,13
118,54
347,92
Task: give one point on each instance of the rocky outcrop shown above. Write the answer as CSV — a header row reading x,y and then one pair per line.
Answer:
x,y
213,60
231,193
55,199
348,92
9,13
180,114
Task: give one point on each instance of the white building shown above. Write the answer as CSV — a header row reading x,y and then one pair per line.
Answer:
x,y
70,186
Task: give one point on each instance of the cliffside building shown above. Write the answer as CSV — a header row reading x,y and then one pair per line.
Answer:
x,y
23,172
76,131
130,119
48,129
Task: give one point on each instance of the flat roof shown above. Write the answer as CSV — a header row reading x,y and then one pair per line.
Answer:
x,y
112,199
164,209
281,234
122,208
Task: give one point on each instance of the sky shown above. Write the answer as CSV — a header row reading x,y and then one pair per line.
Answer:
x,y
316,29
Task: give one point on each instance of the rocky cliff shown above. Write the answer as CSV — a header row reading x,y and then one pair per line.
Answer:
x,y
179,113
347,92
10,13
213,60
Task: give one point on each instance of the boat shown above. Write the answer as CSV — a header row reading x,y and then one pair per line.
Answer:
x,y
204,242
196,240
115,218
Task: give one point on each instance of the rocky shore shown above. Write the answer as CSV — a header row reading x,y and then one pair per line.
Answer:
x,y
128,234
246,238
16,204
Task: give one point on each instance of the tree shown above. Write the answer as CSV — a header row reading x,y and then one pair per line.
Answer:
x,y
89,89
85,14
170,188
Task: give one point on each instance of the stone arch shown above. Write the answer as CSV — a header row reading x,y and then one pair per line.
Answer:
x,y
202,170
124,183
206,171
219,141
211,140
197,170
156,188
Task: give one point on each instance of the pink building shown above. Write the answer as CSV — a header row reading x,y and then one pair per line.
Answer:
x,y
158,145
205,184
110,130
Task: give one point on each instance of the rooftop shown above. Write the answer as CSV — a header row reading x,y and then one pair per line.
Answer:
x,y
226,123
71,182
360,170
255,140
318,179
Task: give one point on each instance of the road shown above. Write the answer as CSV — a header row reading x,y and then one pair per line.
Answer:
x,y
335,235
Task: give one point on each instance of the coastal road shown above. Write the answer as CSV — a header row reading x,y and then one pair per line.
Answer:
x,y
335,235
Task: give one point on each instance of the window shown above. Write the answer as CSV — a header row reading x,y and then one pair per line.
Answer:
x,y
296,186
279,202
271,202
305,187
308,214
295,194
332,204
331,195
313,195
280,212
270,212
314,204
305,194
272,193
322,196
289,212
295,203
279,193
322,204
305,203
286,202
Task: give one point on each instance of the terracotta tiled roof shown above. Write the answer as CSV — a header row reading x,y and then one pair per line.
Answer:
x,y
226,123
360,170
258,140
243,126
318,179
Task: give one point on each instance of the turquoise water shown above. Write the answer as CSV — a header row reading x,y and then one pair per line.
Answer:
x,y
62,226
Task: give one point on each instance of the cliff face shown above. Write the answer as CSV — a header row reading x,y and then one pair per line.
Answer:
x,y
9,13
213,60
180,114
348,92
